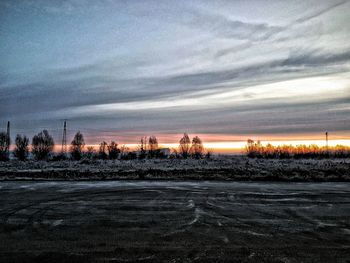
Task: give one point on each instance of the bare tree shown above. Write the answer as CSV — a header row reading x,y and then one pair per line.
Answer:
x,y
253,149
153,146
185,146
143,147
77,146
209,153
4,146
42,145
174,153
197,148
21,150
113,150
123,151
102,151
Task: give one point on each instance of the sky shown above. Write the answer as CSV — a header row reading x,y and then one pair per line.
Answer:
x,y
224,70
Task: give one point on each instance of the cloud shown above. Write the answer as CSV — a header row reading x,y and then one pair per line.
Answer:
x,y
238,48
63,92
66,7
320,12
224,27
315,58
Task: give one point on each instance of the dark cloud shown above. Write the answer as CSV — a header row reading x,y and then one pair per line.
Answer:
x,y
235,49
321,11
315,58
44,96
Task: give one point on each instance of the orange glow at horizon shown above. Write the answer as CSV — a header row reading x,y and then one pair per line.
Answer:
x,y
217,143
234,146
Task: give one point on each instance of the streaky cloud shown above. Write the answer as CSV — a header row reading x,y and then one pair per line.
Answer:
x,y
321,12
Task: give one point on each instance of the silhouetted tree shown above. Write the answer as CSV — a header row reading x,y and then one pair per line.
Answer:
x,y
340,151
209,153
174,154
300,151
197,148
253,149
153,146
42,145
143,147
4,146
102,152
21,150
113,150
185,146
124,151
77,146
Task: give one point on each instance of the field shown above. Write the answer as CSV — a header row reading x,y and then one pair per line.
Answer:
x,y
168,221
217,168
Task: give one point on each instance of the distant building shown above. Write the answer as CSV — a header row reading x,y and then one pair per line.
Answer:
x,y
164,151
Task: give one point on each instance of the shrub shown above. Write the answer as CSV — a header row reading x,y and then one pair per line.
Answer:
x,y
90,153
209,153
124,151
300,151
59,157
129,156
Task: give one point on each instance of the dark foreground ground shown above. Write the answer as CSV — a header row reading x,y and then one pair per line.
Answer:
x,y
125,221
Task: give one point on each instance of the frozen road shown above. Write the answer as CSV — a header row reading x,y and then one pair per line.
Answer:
x,y
174,222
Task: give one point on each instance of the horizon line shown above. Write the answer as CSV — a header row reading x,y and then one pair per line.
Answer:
x,y
233,147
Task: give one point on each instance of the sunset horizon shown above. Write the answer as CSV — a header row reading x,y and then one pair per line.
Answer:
x,y
218,144
175,131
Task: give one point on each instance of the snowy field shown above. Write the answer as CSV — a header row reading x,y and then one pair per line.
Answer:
x,y
217,168
168,221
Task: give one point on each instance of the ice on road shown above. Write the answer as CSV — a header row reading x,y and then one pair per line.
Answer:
x,y
165,221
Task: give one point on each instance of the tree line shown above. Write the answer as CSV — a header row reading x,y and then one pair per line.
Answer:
x,y
42,147
257,150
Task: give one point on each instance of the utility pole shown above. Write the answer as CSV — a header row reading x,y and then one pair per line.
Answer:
x,y
327,141
64,138
8,139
